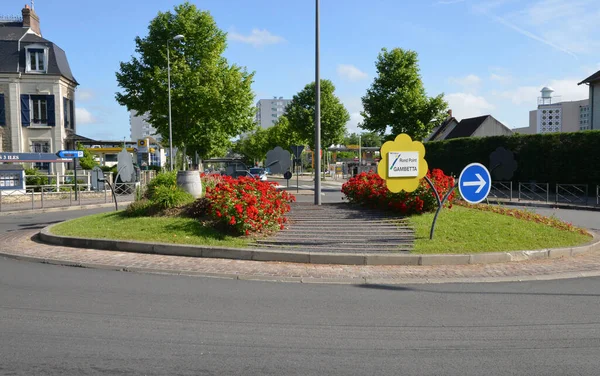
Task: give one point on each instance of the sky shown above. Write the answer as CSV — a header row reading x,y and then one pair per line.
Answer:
x,y
486,56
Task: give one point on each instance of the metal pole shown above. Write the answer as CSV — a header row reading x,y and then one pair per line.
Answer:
x,y
317,111
359,151
75,173
170,126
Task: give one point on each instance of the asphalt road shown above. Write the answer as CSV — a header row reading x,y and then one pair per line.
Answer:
x,y
71,321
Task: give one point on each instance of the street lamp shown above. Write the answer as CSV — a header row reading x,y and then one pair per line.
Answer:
x,y
317,156
175,38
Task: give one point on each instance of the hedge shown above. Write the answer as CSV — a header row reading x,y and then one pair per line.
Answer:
x,y
564,158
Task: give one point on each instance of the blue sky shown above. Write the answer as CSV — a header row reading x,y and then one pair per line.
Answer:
x,y
486,56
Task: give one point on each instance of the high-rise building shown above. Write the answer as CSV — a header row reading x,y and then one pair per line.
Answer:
x,y
140,128
269,110
554,115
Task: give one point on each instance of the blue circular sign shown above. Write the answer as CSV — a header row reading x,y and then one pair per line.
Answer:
x,y
474,183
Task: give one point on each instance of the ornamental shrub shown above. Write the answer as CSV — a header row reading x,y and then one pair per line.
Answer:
x,y
247,206
164,179
169,197
563,157
369,189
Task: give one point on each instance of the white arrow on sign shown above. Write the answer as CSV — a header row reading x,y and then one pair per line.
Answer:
x,y
480,183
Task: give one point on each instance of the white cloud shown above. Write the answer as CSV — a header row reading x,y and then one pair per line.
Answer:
x,y
83,116
257,38
564,90
466,105
469,83
354,107
84,94
350,72
500,78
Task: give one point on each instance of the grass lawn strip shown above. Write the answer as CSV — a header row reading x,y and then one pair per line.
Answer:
x,y
463,230
176,230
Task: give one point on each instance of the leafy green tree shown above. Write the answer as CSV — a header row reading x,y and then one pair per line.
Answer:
x,y
212,101
253,146
282,134
397,98
301,115
87,162
370,139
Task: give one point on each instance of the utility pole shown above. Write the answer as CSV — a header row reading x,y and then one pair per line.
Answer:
x,y
317,111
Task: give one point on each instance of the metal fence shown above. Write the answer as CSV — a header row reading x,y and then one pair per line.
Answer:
x,y
47,196
573,194
59,191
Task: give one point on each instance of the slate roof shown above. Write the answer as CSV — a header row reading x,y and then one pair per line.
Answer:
x,y
441,128
10,59
594,77
467,127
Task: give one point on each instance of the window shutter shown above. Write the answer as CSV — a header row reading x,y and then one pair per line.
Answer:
x,y
72,107
25,114
2,111
65,112
50,110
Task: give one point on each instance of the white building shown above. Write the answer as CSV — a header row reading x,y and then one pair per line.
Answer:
x,y
269,110
37,91
139,127
554,115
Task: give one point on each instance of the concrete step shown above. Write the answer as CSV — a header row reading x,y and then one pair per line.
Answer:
x,y
400,248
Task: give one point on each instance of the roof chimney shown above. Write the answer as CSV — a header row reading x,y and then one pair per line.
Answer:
x,y
31,20
450,113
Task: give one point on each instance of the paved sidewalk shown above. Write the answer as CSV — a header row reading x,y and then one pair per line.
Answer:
x,y
19,244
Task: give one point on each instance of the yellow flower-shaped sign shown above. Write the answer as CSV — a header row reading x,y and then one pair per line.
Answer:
x,y
402,164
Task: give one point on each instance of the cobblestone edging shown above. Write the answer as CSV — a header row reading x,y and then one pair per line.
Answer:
x,y
256,254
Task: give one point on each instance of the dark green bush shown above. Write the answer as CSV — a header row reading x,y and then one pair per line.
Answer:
x,y
140,208
168,197
565,158
199,208
164,179
35,178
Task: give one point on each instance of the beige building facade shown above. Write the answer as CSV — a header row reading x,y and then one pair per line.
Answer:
x,y
37,91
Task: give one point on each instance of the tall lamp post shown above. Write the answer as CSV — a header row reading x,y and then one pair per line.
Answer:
x,y
317,112
175,38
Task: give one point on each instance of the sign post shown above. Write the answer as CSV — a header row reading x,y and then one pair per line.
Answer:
x,y
405,166
75,155
297,151
474,183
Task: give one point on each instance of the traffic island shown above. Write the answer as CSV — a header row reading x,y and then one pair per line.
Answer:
x,y
493,239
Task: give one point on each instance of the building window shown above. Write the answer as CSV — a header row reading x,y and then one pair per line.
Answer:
x,y
36,60
41,147
274,115
39,110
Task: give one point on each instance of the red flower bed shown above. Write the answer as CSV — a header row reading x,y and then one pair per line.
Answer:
x,y
247,206
369,189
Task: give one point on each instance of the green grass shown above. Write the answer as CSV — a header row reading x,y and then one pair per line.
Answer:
x,y
463,230
177,230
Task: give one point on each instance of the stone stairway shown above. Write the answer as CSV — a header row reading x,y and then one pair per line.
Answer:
x,y
340,228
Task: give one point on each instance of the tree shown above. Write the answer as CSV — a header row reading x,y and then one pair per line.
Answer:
x,y
370,139
212,101
254,145
282,134
87,162
397,98
301,115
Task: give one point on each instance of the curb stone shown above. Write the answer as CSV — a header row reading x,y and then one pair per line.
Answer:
x,y
62,208
258,254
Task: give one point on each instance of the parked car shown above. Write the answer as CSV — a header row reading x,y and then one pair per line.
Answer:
x,y
258,173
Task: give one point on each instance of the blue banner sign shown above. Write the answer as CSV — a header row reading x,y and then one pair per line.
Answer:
x,y
31,157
